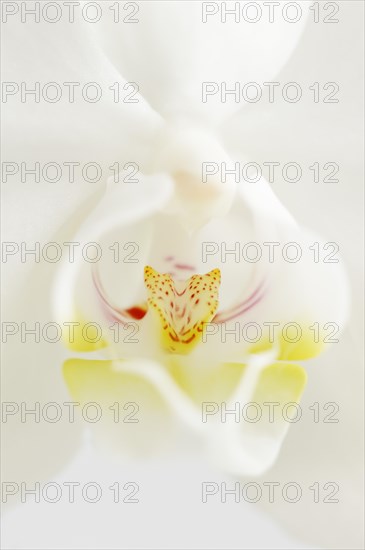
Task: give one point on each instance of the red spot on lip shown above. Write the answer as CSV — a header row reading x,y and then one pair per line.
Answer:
x,y
136,312
112,312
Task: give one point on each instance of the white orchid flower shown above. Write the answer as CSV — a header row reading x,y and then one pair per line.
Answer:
x,y
173,365
179,308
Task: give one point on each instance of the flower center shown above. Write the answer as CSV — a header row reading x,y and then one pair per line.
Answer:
x,y
181,308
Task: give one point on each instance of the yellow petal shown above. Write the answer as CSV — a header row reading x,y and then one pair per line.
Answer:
x,y
248,442
134,417
81,335
282,382
289,350
305,348
205,381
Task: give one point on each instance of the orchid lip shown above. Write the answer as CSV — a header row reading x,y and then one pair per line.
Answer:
x,y
180,308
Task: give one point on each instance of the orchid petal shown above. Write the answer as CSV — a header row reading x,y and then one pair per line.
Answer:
x,y
247,447
32,391
53,130
135,417
123,211
171,79
206,381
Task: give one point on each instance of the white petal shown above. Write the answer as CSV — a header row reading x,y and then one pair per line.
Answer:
x,y
246,442
123,221
326,447
165,496
105,131
34,447
171,78
272,290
